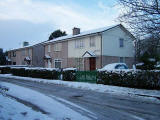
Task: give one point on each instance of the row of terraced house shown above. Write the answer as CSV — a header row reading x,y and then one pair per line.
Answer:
x,y
88,50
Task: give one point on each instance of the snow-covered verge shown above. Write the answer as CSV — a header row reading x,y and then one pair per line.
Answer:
x,y
55,109
148,94
10,109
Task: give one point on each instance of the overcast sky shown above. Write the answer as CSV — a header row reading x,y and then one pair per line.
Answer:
x,y
34,20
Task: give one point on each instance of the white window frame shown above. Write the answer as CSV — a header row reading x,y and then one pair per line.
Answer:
x,y
59,60
123,59
49,48
79,43
57,46
92,41
121,42
76,44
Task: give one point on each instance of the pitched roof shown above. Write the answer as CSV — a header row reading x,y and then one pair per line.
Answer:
x,y
70,36
47,57
20,48
29,46
82,34
89,54
27,59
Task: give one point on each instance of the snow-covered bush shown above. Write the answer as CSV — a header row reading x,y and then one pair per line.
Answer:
x,y
69,74
135,79
44,73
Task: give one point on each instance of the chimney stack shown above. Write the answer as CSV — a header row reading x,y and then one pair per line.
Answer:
x,y
76,31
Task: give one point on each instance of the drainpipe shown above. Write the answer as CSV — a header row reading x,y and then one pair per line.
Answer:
x,y
101,50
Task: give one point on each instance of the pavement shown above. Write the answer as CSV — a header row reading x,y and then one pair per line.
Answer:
x,y
104,106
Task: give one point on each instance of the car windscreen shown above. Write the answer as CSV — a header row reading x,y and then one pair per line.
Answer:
x,y
121,67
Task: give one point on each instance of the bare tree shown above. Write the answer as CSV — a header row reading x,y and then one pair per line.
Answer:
x,y
143,19
142,16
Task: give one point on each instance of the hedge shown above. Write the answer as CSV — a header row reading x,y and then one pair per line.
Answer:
x,y
36,73
69,74
147,79
45,73
4,70
32,72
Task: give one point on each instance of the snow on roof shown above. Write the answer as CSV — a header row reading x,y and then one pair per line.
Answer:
x,y
47,57
89,54
27,46
27,58
69,36
111,66
20,48
81,34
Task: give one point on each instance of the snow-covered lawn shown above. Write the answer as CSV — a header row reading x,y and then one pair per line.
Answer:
x,y
10,109
55,109
151,94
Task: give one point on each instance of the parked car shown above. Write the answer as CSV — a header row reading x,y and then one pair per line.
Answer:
x,y
114,66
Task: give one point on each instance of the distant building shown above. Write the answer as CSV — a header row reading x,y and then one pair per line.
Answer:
x,y
28,55
21,56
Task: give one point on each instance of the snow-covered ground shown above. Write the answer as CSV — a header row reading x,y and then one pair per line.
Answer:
x,y
151,94
10,109
50,105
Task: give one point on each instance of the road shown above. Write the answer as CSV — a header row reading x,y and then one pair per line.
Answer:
x,y
105,106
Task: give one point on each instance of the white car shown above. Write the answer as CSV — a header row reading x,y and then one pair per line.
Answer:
x,y
114,66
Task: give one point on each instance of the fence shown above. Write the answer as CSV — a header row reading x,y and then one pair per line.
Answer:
x,y
86,76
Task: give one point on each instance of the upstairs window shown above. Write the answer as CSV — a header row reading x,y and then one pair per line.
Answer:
x,y
14,54
76,44
121,42
29,52
23,52
49,48
92,41
79,43
57,46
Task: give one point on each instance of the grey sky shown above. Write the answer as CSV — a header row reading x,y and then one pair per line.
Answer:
x,y
34,20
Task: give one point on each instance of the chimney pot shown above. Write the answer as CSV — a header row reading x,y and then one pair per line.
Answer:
x,y
25,44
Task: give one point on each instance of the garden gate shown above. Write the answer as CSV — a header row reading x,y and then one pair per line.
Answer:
x,y
86,76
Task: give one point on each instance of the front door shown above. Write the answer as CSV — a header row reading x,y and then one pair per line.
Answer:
x,y
92,62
